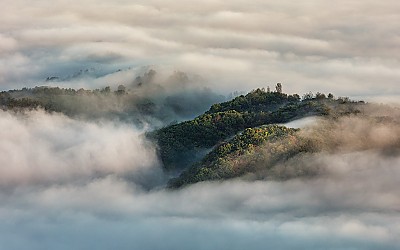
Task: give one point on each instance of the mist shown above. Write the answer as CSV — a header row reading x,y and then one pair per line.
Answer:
x,y
150,97
346,49
90,184
42,148
87,177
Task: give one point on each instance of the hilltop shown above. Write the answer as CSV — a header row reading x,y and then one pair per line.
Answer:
x,y
229,140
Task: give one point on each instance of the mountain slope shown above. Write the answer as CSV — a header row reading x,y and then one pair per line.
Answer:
x,y
182,144
252,150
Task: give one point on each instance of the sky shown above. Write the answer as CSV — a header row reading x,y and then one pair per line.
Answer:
x,y
71,183
349,48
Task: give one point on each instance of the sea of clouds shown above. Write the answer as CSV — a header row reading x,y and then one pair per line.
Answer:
x,y
69,183
74,184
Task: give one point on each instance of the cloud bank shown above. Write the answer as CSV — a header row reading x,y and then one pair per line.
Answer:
x,y
349,48
81,186
37,147
73,184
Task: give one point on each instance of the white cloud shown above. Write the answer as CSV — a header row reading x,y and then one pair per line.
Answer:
x,y
82,181
43,148
68,184
312,46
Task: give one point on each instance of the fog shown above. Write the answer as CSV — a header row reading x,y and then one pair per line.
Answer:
x,y
76,184
302,123
42,148
349,48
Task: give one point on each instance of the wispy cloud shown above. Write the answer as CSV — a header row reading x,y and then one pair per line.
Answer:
x,y
67,179
308,46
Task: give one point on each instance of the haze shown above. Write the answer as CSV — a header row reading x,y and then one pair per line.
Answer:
x,y
349,47
70,182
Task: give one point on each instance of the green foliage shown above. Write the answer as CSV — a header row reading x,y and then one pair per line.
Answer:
x,y
255,145
21,103
179,144
255,101
244,153
205,131
91,103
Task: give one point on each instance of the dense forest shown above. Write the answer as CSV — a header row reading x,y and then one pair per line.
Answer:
x,y
244,154
185,143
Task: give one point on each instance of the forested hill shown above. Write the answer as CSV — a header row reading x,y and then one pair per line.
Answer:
x,y
140,103
255,101
228,140
184,144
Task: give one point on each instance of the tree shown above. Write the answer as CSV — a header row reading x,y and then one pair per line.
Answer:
x,y
320,96
106,90
278,87
344,99
308,96
121,90
294,98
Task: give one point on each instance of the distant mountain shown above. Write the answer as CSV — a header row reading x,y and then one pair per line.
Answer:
x,y
144,100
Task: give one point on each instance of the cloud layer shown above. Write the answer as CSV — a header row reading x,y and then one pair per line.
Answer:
x,y
349,48
70,184
37,147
